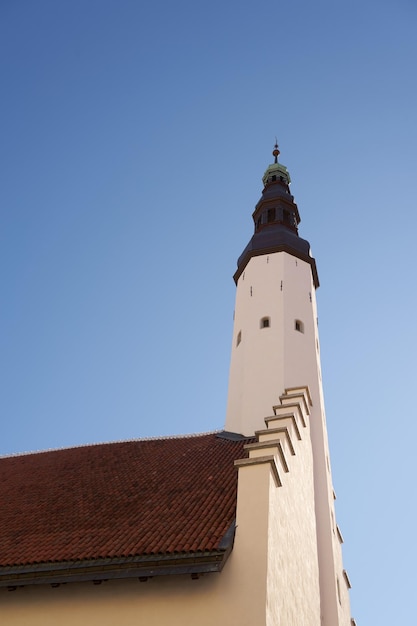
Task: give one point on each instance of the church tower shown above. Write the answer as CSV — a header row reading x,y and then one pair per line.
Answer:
x,y
276,352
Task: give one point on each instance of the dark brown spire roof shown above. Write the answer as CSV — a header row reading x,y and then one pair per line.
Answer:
x,y
276,220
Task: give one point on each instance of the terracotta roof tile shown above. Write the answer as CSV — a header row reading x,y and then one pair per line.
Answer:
x,y
156,496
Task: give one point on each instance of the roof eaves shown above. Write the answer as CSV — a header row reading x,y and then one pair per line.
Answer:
x,y
100,570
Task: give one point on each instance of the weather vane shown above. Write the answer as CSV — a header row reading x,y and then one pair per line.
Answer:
x,y
275,151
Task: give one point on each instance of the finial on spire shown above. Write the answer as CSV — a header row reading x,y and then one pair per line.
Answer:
x,y
275,151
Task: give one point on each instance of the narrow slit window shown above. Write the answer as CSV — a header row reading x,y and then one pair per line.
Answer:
x,y
338,591
265,322
239,338
299,326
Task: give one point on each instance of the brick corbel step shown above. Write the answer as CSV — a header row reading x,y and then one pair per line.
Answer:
x,y
278,441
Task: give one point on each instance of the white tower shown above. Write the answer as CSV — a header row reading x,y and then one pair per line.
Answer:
x,y
275,349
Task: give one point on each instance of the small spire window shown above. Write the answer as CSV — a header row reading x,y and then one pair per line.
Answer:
x,y
239,338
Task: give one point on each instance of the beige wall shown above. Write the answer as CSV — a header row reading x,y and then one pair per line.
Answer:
x,y
159,601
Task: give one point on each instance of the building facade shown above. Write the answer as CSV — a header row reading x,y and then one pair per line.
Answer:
x,y
229,528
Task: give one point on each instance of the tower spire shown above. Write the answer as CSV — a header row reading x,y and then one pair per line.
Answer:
x,y
276,219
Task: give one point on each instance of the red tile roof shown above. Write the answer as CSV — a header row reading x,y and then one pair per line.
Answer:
x,y
149,497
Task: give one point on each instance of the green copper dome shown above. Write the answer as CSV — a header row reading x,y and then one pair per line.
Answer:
x,y
276,171
279,171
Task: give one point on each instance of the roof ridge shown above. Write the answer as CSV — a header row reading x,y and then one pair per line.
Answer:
x,y
107,443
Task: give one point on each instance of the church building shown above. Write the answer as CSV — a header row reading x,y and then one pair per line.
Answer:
x,y
229,528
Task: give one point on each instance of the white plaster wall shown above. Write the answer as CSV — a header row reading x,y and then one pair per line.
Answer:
x,y
293,591
266,362
256,369
344,602
308,365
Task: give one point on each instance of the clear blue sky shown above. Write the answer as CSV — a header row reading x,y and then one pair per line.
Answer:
x,y
134,138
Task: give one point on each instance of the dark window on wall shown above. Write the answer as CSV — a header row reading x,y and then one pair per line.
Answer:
x,y
239,338
271,216
299,326
265,322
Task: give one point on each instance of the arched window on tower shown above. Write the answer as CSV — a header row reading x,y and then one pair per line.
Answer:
x,y
299,326
265,322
